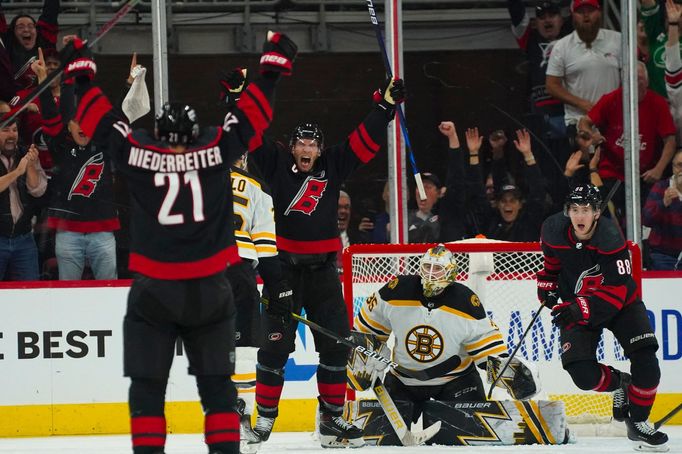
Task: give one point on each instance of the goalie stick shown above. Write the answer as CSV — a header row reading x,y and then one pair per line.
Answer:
x,y
407,437
401,116
422,375
605,203
667,417
104,29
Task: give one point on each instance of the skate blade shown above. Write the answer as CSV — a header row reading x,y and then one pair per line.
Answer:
x,y
249,447
334,442
645,447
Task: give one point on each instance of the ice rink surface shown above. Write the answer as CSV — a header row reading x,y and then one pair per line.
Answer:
x,y
301,442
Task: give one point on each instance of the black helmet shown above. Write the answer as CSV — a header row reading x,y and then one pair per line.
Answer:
x,y
176,124
307,131
585,194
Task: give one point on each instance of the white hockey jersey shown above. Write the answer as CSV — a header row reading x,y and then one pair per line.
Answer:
x,y
254,217
456,324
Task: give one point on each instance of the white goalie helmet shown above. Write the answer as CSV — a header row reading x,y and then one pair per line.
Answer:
x,y
437,269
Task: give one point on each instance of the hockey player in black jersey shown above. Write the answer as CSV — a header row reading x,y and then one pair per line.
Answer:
x,y
305,180
181,204
587,265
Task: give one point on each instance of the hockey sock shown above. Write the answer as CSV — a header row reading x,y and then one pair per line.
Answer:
x,y
331,384
586,375
147,421
609,381
221,423
646,374
244,378
269,382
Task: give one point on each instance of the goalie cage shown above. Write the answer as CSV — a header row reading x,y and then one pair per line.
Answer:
x,y
503,276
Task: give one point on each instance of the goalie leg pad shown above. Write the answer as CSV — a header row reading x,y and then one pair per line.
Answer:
x,y
497,422
370,417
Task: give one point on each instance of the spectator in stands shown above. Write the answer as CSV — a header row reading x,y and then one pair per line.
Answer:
x,y
351,235
537,42
584,65
22,181
423,223
582,165
656,131
81,208
518,218
24,36
663,213
381,231
8,87
654,24
673,65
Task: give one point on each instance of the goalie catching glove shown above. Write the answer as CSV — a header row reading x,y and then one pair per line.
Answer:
x,y
362,370
518,379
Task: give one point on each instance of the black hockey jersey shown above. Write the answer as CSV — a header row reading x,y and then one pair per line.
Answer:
x,y
599,269
81,187
306,204
181,203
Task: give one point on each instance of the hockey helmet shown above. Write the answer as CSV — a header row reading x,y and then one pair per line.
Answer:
x,y
585,194
437,269
176,124
307,131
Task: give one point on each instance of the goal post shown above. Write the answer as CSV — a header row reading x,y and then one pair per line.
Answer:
x,y
503,276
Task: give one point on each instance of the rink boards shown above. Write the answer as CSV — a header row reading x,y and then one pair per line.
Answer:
x,y
61,362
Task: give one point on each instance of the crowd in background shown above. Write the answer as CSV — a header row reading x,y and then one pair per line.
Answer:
x,y
500,184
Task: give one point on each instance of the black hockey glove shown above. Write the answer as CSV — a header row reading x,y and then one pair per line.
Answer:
x,y
567,315
231,86
393,93
548,287
279,53
281,301
78,61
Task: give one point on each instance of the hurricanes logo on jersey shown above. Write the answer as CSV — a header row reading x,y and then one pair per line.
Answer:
x,y
589,280
86,182
424,343
308,196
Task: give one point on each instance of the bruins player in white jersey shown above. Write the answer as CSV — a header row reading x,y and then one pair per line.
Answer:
x,y
254,231
434,319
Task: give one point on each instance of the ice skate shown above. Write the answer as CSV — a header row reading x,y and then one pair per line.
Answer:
x,y
645,437
263,427
249,441
336,432
620,398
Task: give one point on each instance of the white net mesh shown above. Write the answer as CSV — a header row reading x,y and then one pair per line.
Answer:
x,y
503,276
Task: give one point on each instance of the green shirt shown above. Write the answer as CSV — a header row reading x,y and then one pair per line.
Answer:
x,y
652,18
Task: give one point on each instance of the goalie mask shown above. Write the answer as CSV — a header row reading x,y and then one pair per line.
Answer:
x,y
437,269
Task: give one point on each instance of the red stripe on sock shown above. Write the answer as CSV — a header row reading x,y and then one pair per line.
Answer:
x,y
148,430
332,393
221,428
605,380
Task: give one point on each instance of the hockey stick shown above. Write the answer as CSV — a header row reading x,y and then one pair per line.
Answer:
x,y
407,438
65,60
667,417
422,375
609,196
399,110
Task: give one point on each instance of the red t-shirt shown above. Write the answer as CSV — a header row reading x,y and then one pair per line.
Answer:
x,y
655,123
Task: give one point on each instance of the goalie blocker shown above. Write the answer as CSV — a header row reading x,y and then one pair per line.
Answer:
x,y
492,422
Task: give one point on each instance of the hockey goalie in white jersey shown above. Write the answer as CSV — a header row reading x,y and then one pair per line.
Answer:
x,y
440,326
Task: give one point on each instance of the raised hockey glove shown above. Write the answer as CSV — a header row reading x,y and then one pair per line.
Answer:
x,y
393,93
567,315
231,86
548,289
78,61
281,301
279,53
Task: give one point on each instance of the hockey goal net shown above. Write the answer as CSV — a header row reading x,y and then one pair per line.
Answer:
x,y
503,276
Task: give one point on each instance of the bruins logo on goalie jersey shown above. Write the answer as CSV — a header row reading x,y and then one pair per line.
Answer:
x,y
429,331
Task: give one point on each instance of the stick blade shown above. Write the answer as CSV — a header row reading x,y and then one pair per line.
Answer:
x,y
421,437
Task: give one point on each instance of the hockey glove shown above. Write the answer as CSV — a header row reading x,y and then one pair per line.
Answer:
x,y
363,369
393,93
279,53
281,301
231,86
78,60
567,315
548,289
